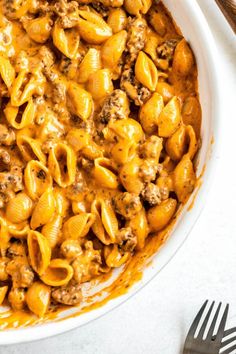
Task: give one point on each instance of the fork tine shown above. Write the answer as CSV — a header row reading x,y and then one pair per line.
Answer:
x,y
196,320
229,350
228,341
213,323
220,331
204,324
227,332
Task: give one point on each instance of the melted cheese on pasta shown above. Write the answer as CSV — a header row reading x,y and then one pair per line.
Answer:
x,y
100,126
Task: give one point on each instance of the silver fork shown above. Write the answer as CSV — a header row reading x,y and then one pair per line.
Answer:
x,y
229,341
211,344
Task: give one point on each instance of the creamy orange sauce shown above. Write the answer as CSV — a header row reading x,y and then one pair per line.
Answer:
x,y
88,153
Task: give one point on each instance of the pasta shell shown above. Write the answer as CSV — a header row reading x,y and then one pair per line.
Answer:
x,y
62,204
30,148
113,256
129,176
37,179
138,6
7,71
58,273
106,224
5,237
3,292
128,129
183,59
66,40
112,51
165,90
79,101
38,298
79,207
159,22
192,115
124,151
117,20
25,85
160,215
62,163
169,119
92,28
103,173
13,114
100,84
146,71
150,112
176,144
78,138
19,230
52,231
184,178
193,143
139,226
89,65
19,208
44,210
182,140
78,226
39,251
39,29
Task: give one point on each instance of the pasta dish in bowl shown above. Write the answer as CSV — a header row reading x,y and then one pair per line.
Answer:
x,y
100,132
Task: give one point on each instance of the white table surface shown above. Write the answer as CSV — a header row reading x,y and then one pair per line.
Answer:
x,y
155,320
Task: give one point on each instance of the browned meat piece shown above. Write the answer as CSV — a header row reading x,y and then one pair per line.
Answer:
x,y
148,170
166,50
5,160
137,28
67,11
102,3
21,273
126,239
87,264
127,204
99,8
17,299
3,265
116,106
152,147
47,145
68,295
59,93
87,165
151,194
10,182
136,92
47,59
16,249
7,135
79,186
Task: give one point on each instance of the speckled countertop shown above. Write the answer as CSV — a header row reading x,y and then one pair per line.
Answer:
x,y
155,320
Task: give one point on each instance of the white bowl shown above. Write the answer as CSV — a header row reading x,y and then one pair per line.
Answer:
x,y
192,23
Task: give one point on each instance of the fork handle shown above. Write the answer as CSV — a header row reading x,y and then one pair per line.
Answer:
x,y
228,8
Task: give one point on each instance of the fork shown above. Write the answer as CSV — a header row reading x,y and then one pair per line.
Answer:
x,y
228,341
197,344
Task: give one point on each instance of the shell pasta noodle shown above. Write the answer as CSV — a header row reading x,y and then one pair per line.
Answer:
x,y
99,133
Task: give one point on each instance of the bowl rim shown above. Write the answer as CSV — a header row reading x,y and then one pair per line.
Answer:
x,y
42,331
